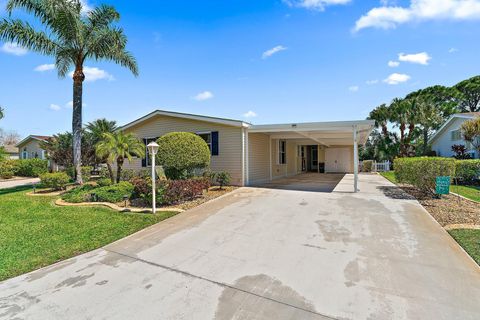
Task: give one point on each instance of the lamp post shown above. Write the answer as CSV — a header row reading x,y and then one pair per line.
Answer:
x,y
153,148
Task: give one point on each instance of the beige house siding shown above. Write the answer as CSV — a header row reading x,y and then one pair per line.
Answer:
x,y
230,141
288,169
259,162
33,149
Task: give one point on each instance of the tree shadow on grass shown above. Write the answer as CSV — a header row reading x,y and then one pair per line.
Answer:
x,y
395,193
15,189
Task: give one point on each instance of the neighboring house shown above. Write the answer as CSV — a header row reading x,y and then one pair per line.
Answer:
x,y
255,154
12,151
29,148
450,134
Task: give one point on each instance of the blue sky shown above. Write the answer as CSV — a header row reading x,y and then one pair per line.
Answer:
x,y
264,61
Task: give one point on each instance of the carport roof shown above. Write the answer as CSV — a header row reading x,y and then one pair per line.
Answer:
x,y
325,133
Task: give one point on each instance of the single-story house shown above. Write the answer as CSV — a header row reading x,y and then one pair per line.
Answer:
x,y
255,154
450,134
11,150
29,148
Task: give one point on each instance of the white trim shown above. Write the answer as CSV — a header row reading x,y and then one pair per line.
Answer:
x,y
228,122
247,160
278,152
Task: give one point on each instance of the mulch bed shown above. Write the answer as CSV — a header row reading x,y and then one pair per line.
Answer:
x,y
449,209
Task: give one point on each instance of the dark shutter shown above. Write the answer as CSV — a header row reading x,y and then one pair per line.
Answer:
x,y
215,143
144,160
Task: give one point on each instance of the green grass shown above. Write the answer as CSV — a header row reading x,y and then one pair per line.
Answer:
x,y
390,175
36,233
469,240
470,192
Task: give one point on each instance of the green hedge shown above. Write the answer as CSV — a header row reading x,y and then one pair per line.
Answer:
x,y
421,172
56,180
467,171
79,194
30,167
7,169
113,193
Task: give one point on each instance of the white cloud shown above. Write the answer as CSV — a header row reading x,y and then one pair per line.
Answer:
x,y
55,107
393,64
250,114
453,50
396,78
13,48
202,96
271,52
93,74
387,17
420,58
372,82
44,67
315,4
353,88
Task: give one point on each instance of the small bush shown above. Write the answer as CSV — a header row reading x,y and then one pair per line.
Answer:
x,y
183,190
223,178
86,173
79,194
467,171
367,165
56,180
180,153
31,167
421,172
7,169
113,193
142,188
104,182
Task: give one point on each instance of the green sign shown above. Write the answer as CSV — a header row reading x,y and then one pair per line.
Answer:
x,y
442,185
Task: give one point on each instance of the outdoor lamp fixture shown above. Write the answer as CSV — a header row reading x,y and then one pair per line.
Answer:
x,y
153,149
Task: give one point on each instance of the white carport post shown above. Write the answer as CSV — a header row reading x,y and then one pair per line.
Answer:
x,y
355,159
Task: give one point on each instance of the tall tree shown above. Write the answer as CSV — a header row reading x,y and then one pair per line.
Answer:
x,y
119,146
381,115
71,37
469,94
96,130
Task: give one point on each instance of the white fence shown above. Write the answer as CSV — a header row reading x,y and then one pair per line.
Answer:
x,y
378,166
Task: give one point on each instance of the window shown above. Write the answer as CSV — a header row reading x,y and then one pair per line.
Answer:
x,y
282,152
456,135
24,154
146,161
211,138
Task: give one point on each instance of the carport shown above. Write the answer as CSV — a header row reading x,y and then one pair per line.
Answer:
x,y
284,151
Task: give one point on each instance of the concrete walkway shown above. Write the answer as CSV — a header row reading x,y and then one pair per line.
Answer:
x,y
5,184
266,254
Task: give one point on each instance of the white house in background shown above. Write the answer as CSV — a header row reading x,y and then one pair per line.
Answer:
x,y
29,148
450,134
255,154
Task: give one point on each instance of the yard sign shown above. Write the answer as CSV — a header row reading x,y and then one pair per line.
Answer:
x,y
442,185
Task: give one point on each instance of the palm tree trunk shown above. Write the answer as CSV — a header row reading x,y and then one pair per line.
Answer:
x,y
78,78
119,168
110,171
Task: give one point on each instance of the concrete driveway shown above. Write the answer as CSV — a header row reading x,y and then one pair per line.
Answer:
x,y
18,182
266,254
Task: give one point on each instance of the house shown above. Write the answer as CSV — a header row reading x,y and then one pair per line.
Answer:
x,y
29,148
450,134
255,154
11,150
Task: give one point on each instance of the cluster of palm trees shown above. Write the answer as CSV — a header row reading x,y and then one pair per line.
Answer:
x,y
71,36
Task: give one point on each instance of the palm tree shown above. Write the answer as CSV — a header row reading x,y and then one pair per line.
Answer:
x,y
471,132
429,116
381,115
119,146
96,129
71,37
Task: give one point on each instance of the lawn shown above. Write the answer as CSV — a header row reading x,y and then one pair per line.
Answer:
x,y
390,175
36,233
469,240
470,192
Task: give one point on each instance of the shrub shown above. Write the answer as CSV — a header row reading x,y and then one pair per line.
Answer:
x,y
104,182
421,172
367,165
113,193
128,174
461,152
183,190
467,171
7,169
31,167
56,180
79,194
182,152
87,173
142,188
223,178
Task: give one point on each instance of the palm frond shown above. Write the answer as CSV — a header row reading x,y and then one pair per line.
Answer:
x,y
102,16
23,33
